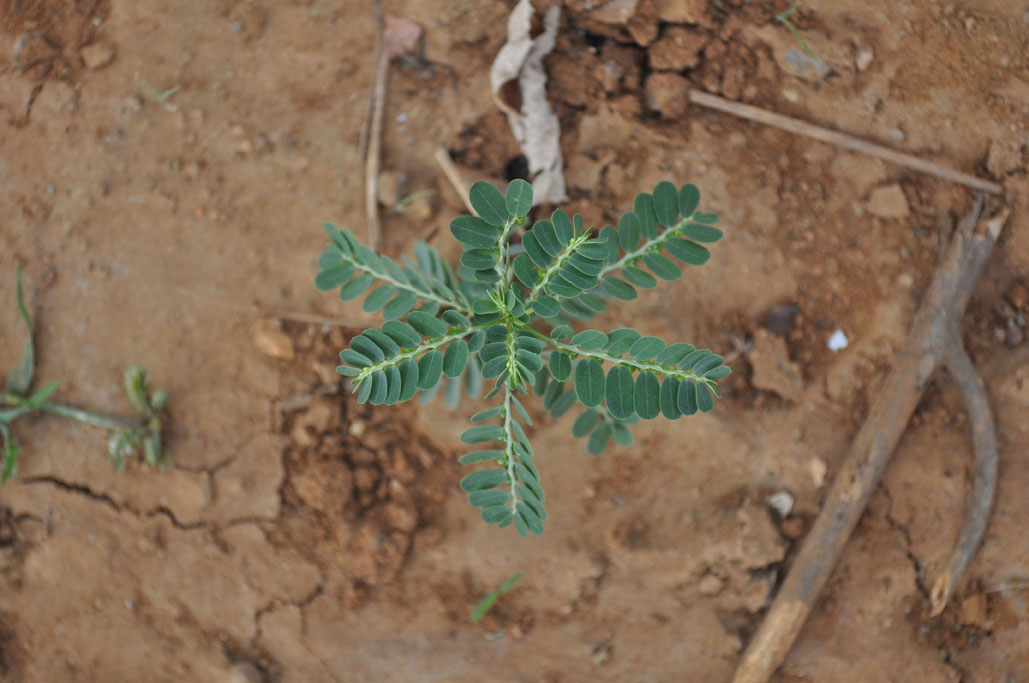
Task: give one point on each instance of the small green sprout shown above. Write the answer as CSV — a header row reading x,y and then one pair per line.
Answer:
x,y
506,315
784,17
487,602
131,435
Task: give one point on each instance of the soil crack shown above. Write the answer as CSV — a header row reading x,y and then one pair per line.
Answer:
x,y
103,498
905,532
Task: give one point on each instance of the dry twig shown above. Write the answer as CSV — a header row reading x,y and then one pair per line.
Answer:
x,y
454,176
847,141
372,160
934,340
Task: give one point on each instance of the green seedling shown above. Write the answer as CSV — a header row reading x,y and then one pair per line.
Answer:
x,y
506,314
486,604
130,435
784,17
162,97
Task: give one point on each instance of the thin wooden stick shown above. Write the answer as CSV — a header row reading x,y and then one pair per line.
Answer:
x,y
442,157
984,439
847,141
933,341
372,160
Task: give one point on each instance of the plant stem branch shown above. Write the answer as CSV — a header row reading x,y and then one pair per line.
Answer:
x,y
793,125
90,418
407,286
934,340
372,160
638,366
647,246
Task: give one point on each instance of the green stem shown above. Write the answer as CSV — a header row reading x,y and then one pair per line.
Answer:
x,y
503,266
647,246
509,447
407,286
554,267
415,352
95,419
639,366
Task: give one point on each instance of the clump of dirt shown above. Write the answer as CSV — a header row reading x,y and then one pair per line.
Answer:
x,y
364,486
972,616
49,34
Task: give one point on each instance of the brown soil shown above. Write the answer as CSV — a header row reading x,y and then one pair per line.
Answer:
x,y
302,537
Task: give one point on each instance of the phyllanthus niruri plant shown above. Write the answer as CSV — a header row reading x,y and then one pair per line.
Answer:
x,y
505,315
130,435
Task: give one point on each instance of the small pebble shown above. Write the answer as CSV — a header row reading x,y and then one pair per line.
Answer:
x,y
838,341
781,502
864,59
97,55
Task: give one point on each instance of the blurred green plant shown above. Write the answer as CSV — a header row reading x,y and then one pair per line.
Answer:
x,y
486,604
784,18
130,435
483,321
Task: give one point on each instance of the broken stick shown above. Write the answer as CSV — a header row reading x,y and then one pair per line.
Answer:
x,y
841,139
374,152
935,340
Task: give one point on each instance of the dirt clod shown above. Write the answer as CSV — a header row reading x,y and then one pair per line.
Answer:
x,y
888,202
773,369
97,55
667,94
678,48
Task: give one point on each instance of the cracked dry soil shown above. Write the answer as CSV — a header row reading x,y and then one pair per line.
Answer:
x,y
165,168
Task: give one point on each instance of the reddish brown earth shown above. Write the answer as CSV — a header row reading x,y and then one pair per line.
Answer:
x,y
301,537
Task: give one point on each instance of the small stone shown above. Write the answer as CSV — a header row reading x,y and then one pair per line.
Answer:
x,y
837,341
818,469
773,370
270,340
1006,155
897,134
781,502
888,201
710,585
357,428
863,59
680,11
677,49
391,188
97,55
668,94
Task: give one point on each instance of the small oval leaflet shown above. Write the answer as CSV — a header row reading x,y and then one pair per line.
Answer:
x,y
519,197
489,203
589,382
475,232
